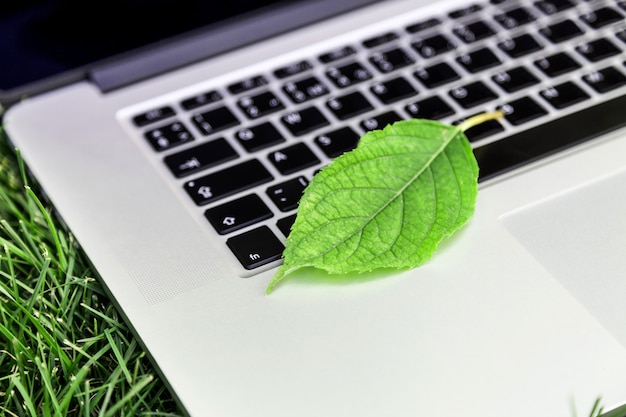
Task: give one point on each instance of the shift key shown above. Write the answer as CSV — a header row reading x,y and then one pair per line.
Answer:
x,y
228,181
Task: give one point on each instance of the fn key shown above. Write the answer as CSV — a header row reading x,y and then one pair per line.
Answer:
x,y
256,247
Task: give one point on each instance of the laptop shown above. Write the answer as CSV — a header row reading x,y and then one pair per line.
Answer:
x,y
177,155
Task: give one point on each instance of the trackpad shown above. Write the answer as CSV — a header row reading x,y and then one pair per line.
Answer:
x,y
580,237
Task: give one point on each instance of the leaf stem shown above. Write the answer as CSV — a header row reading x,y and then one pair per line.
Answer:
x,y
480,118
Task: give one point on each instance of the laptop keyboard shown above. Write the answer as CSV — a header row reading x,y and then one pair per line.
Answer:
x,y
244,152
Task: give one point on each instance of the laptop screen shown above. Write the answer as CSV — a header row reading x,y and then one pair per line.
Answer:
x,y
47,43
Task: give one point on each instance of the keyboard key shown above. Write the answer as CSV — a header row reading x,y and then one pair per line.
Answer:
x,y
436,75
564,95
293,158
305,90
515,17
201,100
522,110
153,116
391,60
473,32
520,45
260,104
562,31
200,157
168,136
380,121
337,54
284,225
478,60
554,6
256,247
621,35
349,74
598,50
304,121
345,107
557,64
228,181
286,195
515,79
393,90
548,138
247,84
483,130
605,80
258,137
380,40
434,108
465,11
238,214
293,69
433,46
601,17
337,142
214,120
472,94
423,25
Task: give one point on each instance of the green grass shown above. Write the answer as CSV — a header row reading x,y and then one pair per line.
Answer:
x,y
64,349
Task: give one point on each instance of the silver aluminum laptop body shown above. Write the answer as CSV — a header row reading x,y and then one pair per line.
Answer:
x,y
519,314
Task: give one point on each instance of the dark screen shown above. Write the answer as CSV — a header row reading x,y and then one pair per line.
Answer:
x,y
39,39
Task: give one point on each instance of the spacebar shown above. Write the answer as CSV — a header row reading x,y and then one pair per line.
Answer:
x,y
531,145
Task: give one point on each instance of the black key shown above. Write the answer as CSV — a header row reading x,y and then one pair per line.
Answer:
x,y
260,104
522,110
472,94
436,75
515,17
478,60
393,90
228,181
238,214
466,11
423,25
431,108
215,120
380,121
293,158
345,107
304,90
259,137
621,35
337,54
564,95
605,80
483,130
391,60
557,64
293,69
256,247
520,45
337,142
287,194
284,225
554,6
349,74
602,17
380,40
152,116
515,79
598,50
304,121
247,84
200,157
473,32
433,46
201,100
548,138
562,31
168,136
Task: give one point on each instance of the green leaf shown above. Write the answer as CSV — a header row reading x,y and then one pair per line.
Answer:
x,y
386,204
